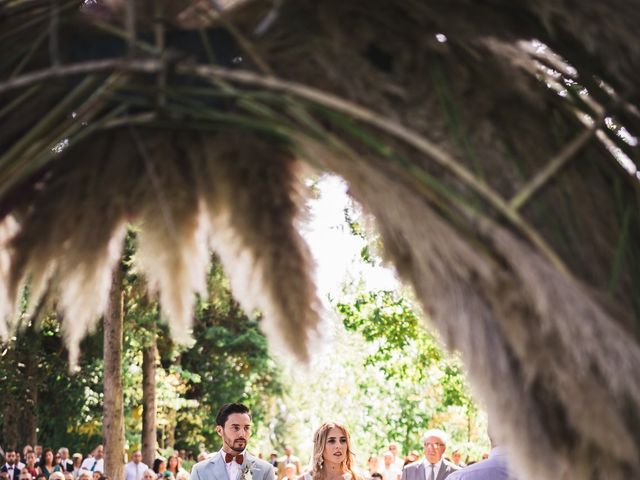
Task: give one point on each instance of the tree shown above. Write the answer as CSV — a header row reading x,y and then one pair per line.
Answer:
x,y
425,383
228,362
149,441
459,143
113,426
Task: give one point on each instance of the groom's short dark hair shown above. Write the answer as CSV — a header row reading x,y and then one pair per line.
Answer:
x,y
229,408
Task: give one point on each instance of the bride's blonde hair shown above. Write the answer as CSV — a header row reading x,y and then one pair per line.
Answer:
x,y
319,442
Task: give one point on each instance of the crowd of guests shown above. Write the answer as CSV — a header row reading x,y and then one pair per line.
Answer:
x,y
36,463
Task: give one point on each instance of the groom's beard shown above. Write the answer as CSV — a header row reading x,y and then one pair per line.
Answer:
x,y
237,445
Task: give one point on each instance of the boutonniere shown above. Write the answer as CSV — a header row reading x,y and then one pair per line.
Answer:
x,y
246,472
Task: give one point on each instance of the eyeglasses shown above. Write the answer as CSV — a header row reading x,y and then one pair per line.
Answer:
x,y
433,445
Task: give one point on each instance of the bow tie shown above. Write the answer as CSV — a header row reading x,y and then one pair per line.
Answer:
x,y
230,458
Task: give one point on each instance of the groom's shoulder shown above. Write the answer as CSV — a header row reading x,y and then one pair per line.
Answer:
x,y
211,458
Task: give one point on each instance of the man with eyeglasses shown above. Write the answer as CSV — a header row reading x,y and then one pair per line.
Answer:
x,y
434,466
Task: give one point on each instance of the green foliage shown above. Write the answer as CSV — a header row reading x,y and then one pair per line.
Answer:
x,y
228,361
230,353
34,368
407,382
386,320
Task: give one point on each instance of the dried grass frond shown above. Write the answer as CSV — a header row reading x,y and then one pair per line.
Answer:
x,y
254,203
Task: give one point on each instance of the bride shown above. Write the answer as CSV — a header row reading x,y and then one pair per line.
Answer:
x,y
332,457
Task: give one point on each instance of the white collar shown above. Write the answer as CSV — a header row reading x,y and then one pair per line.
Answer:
x,y
436,466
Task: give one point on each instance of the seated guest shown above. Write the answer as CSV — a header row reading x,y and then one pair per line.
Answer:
x,y
77,462
374,464
159,466
30,464
66,464
47,463
398,460
389,470
95,463
149,475
456,458
286,459
289,472
10,467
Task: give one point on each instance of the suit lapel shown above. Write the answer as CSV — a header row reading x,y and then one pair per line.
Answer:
x,y
444,468
219,467
249,461
420,475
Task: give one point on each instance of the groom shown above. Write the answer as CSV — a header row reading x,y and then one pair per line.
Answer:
x,y
233,462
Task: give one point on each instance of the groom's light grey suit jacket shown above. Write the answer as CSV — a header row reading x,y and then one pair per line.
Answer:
x,y
416,471
214,468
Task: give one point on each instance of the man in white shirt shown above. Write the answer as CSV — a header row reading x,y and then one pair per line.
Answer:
x,y
389,470
65,462
434,466
95,463
233,462
398,460
134,470
13,471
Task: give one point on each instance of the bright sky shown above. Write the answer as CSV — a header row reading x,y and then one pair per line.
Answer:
x,y
335,249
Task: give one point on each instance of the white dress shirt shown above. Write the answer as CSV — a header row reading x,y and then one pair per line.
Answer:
x,y
427,469
93,465
134,471
391,473
10,469
234,469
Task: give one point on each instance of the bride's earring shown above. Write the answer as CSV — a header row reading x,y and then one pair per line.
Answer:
x,y
320,462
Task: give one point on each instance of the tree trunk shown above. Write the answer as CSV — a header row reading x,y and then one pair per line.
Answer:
x,y
149,359
11,392
113,428
29,414
10,424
